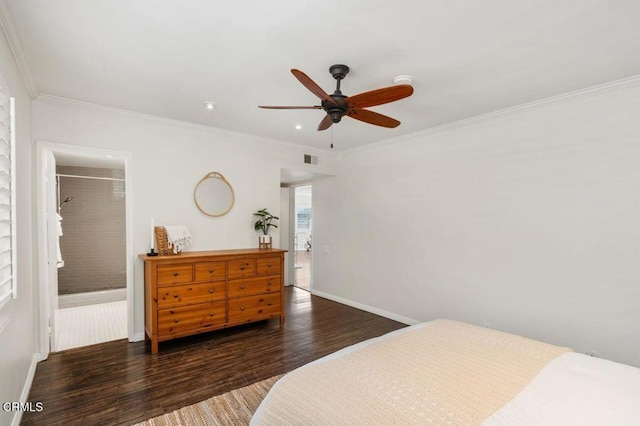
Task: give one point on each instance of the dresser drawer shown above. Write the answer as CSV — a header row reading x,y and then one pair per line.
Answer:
x,y
268,266
211,271
190,294
252,286
188,318
254,308
175,274
241,268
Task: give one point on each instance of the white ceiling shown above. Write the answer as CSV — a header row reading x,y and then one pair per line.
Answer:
x,y
166,58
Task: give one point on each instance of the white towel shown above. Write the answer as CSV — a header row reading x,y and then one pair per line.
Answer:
x,y
59,261
178,236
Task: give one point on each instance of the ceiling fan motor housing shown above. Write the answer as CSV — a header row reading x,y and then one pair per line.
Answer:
x,y
337,110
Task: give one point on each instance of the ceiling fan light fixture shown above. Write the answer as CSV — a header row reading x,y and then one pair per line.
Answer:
x,y
209,105
403,79
336,115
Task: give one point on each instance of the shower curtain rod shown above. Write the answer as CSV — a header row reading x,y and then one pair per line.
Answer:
x,y
89,177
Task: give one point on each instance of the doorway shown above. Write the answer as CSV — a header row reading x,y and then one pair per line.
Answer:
x,y
302,237
91,284
85,246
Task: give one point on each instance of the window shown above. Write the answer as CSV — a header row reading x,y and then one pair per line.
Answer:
x,y
7,199
303,218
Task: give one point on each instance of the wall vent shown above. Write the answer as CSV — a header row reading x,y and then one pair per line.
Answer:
x,y
310,159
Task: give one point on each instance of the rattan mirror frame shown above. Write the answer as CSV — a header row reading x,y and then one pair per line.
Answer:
x,y
213,175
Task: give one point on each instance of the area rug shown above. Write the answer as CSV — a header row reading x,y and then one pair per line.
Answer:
x,y
231,408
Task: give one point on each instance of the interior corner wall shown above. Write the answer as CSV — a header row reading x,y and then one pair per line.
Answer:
x,y
19,334
528,222
169,159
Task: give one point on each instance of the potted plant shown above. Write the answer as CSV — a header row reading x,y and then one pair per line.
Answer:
x,y
264,223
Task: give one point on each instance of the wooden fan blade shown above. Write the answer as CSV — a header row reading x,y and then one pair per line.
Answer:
x,y
373,118
312,86
380,96
290,107
325,123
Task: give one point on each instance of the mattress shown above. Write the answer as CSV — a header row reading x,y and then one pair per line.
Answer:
x,y
568,388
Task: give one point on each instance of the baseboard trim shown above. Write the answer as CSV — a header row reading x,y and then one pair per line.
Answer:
x,y
362,307
91,298
137,337
24,396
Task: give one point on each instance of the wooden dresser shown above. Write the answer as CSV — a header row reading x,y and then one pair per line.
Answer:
x,y
196,292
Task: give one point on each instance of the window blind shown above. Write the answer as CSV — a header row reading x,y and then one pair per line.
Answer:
x,y
7,201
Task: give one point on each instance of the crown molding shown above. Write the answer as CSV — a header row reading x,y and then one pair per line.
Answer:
x,y
600,89
9,30
88,106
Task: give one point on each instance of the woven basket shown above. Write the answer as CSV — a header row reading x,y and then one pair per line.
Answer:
x,y
163,248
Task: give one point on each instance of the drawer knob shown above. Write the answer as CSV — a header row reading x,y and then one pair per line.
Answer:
x,y
176,295
210,290
175,274
242,268
211,271
269,304
176,321
242,287
210,314
268,265
242,308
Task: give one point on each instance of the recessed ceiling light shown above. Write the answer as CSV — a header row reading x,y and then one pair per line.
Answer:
x,y
209,105
299,126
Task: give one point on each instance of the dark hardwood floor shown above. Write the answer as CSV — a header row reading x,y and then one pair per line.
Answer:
x,y
121,383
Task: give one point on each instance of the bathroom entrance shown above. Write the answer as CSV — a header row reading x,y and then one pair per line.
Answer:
x,y
85,244
92,297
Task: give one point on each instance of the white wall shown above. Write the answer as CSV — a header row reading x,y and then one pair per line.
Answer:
x,y
325,254
18,336
169,159
284,231
529,221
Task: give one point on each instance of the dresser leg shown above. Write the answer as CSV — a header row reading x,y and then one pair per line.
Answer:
x,y
281,320
154,345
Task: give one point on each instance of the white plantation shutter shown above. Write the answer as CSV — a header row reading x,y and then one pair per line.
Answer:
x,y
7,201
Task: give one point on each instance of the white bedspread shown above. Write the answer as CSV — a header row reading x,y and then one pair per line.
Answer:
x,y
573,389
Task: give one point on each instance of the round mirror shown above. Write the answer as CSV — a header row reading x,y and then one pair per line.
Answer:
x,y
214,195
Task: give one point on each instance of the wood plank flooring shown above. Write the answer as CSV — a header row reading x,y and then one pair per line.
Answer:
x,y
121,383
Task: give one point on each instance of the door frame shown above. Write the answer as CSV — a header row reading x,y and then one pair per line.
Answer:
x,y
46,240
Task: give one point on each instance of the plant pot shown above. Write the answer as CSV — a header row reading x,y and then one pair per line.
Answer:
x,y
264,241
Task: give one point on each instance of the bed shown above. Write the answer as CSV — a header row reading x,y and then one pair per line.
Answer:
x,y
448,372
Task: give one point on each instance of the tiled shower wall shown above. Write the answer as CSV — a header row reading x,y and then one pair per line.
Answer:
x,y
93,245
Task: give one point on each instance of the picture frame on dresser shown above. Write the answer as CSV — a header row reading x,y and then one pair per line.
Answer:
x,y
203,291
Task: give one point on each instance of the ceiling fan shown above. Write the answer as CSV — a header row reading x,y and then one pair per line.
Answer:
x,y
338,105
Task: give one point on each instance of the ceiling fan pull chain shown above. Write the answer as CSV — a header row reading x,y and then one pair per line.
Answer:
x,y
331,137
